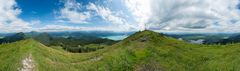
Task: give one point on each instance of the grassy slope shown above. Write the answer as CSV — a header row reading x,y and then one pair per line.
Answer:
x,y
156,52
11,55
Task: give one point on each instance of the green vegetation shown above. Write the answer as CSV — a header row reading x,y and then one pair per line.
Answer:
x,y
13,38
73,44
142,51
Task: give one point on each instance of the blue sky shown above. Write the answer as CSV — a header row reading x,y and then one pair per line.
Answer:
x,y
120,15
38,9
50,12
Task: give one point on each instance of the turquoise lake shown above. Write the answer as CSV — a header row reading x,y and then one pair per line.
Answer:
x,y
117,37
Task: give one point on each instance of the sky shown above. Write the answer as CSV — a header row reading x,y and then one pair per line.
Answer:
x,y
120,15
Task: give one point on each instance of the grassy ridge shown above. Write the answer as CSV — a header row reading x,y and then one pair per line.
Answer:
x,y
12,54
142,51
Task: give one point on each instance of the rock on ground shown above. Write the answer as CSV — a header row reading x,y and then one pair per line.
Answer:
x,y
27,64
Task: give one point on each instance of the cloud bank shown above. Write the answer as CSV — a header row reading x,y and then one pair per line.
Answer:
x,y
187,15
9,21
164,15
75,12
72,13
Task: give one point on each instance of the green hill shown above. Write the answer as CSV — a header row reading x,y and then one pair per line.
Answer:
x,y
142,51
13,38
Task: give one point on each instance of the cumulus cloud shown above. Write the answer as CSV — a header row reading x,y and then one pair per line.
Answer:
x,y
73,13
110,16
57,28
160,15
185,15
141,11
194,14
9,21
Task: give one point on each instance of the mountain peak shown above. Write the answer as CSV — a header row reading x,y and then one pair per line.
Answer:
x,y
13,38
145,35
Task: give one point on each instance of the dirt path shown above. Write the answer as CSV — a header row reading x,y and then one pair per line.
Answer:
x,y
27,64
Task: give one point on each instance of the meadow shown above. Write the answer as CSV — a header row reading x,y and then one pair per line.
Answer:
x,y
142,51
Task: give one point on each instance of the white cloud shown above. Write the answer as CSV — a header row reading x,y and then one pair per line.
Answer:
x,y
140,10
52,28
161,15
110,16
35,22
57,28
72,12
185,15
9,21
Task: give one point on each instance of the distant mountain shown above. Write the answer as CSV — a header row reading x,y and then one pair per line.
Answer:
x,y
88,33
235,38
72,44
43,38
32,33
232,39
224,41
13,38
220,38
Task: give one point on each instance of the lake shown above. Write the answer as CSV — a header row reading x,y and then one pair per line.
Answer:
x,y
116,37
